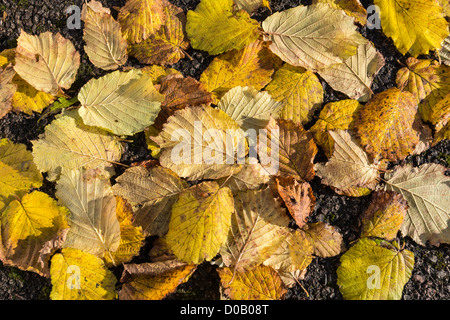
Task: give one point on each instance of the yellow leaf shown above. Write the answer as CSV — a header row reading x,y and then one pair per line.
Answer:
x,y
440,114
200,222
131,237
384,216
77,275
27,225
251,66
168,44
299,90
388,125
335,115
18,173
252,176
141,19
373,271
416,26
215,27
251,5
153,281
257,227
156,73
261,283
428,81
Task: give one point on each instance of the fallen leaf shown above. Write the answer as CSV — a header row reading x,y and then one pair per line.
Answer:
x,y
200,222
387,126
251,5
215,27
151,192
123,103
168,45
325,239
426,190
65,144
371,270
141,19
353,8
48,62
297,36
257,230
415,26
250,66
299,90
77,275
349,167
298,197
94,227
339,115
355,75
153,281
105,46
261,283
249,108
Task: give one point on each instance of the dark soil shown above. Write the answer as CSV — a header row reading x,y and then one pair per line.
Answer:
x,y
431,274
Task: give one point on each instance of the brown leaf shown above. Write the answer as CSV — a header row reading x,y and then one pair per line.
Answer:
x,y
325,239
298,197
7,90
179,93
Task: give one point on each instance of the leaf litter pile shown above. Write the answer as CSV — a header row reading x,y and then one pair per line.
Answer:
x,y
251,223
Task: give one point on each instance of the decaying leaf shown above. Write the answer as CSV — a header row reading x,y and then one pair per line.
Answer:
x,y
444,52
157,73
355,75
7,90
94,227
48,62
194,144
339,115
257,230
299,90
388,124
249,108
141,18
105,44
349,166
440,114
384,216
298,198
77,275
426,189
215,27
261,283
200,222
325,239
374,270
250,66
27,224
151,192
168,45
121,102
180,92
427,81
298,34
288,151
153,281
415,26
66,144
